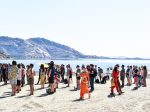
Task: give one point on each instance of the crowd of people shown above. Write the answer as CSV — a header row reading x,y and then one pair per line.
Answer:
x,y
86,76
134,75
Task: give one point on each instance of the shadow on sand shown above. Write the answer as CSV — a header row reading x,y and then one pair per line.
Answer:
x,y
23,96
78,100
5,95
43,95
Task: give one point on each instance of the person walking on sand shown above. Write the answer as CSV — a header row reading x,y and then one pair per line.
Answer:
x,y
84,84
31,74
42,76
13,77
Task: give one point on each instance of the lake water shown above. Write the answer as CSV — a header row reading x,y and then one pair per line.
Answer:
x,y
103,63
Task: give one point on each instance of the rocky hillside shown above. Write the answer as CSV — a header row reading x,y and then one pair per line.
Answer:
x,y
36,48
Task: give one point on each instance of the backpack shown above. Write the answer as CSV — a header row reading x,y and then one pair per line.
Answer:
x,y
95,72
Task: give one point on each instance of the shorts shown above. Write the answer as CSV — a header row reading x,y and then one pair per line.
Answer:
x,y
13,81
18,82
51,80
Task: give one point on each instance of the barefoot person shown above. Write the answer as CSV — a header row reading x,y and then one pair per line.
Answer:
x,y
144,76
114,81
84,83
78,77
31,74
19,79
42,76
122,75
69,74
13,77
51,72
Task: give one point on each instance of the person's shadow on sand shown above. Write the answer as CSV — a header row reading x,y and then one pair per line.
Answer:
x,y
5,95
78,100
43,95
23,96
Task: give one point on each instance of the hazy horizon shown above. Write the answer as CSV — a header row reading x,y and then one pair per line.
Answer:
x,y
98,27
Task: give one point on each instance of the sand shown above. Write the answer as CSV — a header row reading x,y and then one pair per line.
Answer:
x,y
65,100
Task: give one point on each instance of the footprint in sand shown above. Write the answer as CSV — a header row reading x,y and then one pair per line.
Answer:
x,y
32,105
37,105
146,107
27,106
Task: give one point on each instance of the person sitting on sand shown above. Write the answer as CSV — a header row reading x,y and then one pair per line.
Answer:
x,y
13,77
84,83
31,74
42,76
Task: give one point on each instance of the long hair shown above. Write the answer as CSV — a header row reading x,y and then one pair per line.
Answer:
x,y
115,69
42,67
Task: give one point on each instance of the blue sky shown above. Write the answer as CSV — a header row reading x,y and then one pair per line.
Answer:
x,y
100,27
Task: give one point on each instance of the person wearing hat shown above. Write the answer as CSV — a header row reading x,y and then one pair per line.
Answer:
x,y
122,75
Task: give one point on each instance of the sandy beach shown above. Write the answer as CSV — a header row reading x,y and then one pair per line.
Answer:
x,y
65,100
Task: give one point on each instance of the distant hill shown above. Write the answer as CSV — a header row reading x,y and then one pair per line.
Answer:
x,y
36,48
41,48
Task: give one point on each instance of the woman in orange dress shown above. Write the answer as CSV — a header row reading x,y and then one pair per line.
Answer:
x,y
84,83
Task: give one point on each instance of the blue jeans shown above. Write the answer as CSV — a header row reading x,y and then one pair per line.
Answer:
x,y
92,83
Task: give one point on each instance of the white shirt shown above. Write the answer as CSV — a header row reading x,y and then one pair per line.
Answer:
x,y
19,74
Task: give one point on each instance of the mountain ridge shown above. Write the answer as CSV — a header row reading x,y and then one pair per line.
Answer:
x,y
41,48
